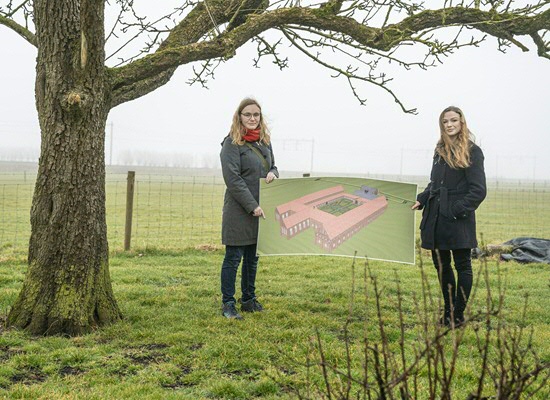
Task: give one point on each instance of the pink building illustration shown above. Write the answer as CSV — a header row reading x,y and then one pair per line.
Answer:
x,y
334,214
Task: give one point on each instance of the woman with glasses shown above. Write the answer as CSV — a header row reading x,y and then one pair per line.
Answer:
x,y
456,189
246,157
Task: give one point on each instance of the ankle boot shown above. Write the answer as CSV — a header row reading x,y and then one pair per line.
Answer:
x,y
445,319
459,318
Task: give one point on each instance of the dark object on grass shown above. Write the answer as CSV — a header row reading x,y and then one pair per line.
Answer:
x,y
478,253
528,250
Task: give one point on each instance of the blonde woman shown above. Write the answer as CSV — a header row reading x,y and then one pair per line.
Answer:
x,y
456,189
246,157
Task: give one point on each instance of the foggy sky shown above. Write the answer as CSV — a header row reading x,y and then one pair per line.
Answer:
x,y
504,97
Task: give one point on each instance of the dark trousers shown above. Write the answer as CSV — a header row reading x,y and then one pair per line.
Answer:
x,y
231,261
455,296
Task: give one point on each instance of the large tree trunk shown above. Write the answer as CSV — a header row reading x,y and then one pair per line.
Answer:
x,y
67,288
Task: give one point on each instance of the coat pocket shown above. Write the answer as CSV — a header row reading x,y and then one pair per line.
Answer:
x,y
457,210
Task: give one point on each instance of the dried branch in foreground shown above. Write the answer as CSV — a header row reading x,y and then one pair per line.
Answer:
x,y
426,366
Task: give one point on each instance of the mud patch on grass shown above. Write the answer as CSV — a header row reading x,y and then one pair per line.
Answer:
x,y
29,376
196,346
155,346
208,247
178,385
180,382
242,373
7,352
68,371
147,354
286,371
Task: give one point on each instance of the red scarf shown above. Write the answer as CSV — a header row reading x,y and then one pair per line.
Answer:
x,y
252,135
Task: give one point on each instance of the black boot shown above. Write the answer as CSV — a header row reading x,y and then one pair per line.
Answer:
x,y
230,311
251,305
445,319
459,318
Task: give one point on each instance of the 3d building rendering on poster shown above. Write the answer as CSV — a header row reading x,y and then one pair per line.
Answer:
x,y
334,214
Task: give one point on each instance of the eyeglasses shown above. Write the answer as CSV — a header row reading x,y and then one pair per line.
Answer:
x,y
249,115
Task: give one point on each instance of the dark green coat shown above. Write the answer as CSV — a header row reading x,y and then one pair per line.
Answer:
x,y
449,202
242,170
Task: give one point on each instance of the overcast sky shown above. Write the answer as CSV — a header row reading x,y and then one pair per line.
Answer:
x,y
316,122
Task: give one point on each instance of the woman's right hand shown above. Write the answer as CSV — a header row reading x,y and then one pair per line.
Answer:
x,y
416,205
270,176
258,212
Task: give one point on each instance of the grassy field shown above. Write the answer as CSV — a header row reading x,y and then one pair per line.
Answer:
x,y
169,211
174,344
177,211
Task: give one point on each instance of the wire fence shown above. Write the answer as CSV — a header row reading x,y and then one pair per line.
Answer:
x,y
174,211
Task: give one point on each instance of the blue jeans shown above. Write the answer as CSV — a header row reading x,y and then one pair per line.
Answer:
x,y
231,261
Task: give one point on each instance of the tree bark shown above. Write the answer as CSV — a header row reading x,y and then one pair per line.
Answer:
x,y
67,289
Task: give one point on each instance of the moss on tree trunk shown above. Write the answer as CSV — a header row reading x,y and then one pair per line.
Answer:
x,y
67,289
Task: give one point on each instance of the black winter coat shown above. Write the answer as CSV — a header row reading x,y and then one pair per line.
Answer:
x,y
242,170
449,202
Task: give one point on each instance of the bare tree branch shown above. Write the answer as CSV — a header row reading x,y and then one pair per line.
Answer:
x,y
351,74
179,48
542,46
13,10
142,87
333,6
190,30
19,29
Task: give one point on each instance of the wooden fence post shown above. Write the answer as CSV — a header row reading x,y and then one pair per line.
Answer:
x,y
129,209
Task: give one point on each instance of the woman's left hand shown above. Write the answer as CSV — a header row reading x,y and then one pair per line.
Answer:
x,y
269,178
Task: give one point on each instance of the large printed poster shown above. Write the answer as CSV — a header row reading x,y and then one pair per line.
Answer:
x,y
338,216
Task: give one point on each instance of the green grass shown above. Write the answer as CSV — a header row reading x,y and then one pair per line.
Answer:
x,y
173,342
169,212
172,212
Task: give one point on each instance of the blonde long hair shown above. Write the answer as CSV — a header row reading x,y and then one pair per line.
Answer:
x,y
238,130
456,153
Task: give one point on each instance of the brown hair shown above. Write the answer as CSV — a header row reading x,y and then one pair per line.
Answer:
x,y
456,153
238,130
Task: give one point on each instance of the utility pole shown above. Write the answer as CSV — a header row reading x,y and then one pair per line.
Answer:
x,y
111,146
401,164
312,147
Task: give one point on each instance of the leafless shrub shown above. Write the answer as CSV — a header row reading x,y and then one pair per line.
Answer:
x,y
506,360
